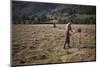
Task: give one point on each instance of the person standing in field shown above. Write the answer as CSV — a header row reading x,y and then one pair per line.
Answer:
x,y
67,34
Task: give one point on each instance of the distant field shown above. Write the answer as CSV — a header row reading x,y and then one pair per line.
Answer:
x,y
41,44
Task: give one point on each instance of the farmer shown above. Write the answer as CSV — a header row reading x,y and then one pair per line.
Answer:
x,y
67,34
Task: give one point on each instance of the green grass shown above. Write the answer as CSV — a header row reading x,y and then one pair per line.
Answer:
x,y
85,16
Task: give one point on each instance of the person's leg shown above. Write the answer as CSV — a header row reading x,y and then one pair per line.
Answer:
x,y
65,43
69,41
68,45
65,40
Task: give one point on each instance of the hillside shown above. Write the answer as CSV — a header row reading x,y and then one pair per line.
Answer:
x,y
44,11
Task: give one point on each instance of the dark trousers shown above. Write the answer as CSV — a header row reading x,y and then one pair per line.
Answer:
x,y
67,40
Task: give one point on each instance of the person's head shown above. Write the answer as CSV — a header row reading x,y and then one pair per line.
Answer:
x,y
71,21
55,18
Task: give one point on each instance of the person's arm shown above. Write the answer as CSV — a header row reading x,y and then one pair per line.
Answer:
x,y
74,32
71,29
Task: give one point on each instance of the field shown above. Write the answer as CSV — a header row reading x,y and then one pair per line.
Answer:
x,y
43,44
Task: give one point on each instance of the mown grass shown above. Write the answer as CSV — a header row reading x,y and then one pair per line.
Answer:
x,y
40,44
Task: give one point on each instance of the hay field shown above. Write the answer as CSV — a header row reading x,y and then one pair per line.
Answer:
x,y
43,44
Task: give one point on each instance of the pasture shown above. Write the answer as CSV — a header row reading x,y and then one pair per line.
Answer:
x,y
43,44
